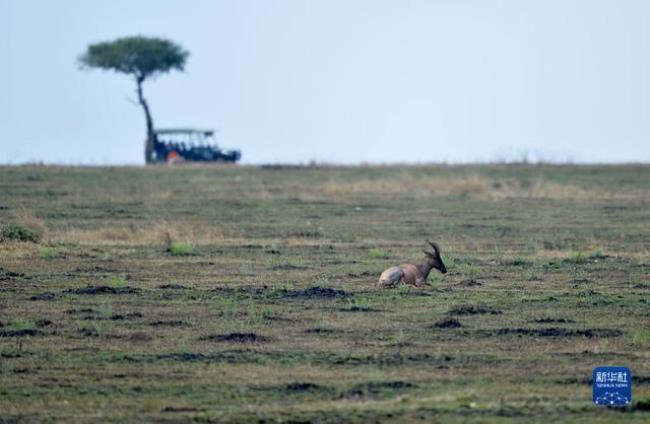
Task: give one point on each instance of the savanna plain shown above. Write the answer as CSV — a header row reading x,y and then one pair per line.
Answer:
x,y
246,294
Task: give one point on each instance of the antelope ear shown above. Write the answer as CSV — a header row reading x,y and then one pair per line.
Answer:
x,y
429,254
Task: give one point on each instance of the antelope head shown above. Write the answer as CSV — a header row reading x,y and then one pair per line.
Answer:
x,y
434,259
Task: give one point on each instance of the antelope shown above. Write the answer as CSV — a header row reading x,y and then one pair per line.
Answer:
x,y
414,274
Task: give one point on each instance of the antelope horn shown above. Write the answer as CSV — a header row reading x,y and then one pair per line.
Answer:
x,y
434,246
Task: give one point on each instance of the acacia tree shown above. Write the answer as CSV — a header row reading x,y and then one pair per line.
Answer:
x,y
141,57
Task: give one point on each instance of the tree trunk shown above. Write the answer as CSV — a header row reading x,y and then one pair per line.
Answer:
x,y
148,144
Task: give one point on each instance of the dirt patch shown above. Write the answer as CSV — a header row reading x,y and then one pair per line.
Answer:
x,y
98,290
574,380
448,322
82,311
560,332
641,379
32,332
321,330
288,267
389,360
236,338
293,358
418,292
641,406
357,308
170,323
251,246
473,310
361,274
87,332
128,317
139,337
308,234
393,384
92,332
516,262
96,269
579,282
43,323
315,292
181,409
553,321
250,291
172,287
44,296
6,275
469,282
302,387
279,318
375,388
181,357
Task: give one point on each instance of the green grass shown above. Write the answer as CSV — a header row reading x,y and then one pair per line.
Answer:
x,y
105,310
641,338
578,258
17,232
21,324
49,252
181,249
118,282
378,253
358,304
242,294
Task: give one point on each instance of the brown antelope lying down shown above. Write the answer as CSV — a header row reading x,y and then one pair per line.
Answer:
x,y
414,274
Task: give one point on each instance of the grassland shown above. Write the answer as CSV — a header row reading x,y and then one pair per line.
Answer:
x,y
214,294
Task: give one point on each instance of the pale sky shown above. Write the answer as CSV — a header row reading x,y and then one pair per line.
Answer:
x,y
343,81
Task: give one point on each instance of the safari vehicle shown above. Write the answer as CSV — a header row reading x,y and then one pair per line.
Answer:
x,y
193,145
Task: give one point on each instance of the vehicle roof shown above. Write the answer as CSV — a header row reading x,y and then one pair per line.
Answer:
x,y
207,132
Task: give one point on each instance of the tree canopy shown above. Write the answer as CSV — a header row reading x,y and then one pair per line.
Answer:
x,y
142,57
